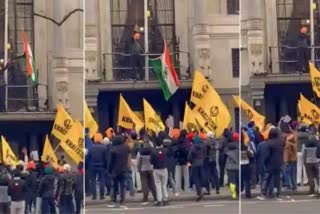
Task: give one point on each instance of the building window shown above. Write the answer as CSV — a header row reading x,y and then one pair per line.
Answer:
x,y
233,7
127,15
20,19
235,62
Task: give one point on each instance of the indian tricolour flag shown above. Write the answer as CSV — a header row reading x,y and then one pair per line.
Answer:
x,y
165,73
31,67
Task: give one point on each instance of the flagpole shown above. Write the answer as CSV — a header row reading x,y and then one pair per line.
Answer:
x,y
312,30
6,9
146,39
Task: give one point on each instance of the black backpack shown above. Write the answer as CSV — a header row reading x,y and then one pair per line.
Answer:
x,y
68,184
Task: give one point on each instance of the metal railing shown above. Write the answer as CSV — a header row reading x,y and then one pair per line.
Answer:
x,y
132,67
292,59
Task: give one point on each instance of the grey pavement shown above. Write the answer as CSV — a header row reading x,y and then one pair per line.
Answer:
x,y
294,204
203,207
184,196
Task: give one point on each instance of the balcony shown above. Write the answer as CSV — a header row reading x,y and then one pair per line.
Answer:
x,y
20,96
126,71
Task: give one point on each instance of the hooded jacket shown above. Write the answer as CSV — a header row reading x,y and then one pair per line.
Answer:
x,y
309,151
275,151
196,155
144,158
302,139
212,149
119,157
232,152
181,150
290,150
47,186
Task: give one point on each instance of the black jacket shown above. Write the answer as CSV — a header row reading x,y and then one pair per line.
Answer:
x,y
159,158
32,184
119,156
181,151
78,185
275,153
17,189
47,186
196,155
97,156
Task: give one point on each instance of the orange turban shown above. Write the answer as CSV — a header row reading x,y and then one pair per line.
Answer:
x,y
175,133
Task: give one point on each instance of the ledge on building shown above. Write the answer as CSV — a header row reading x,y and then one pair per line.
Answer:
x,y
27,116
282,78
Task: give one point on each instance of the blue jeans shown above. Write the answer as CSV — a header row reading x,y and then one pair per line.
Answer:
x,y
94,173
291,175
129,183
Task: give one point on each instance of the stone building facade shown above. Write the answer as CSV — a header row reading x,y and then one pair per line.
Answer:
x,y
59,54
204,32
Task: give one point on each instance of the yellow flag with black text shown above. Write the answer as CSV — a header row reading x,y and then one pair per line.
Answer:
x,y
90,122
152,120
62,123
73,143
48,153
252,114
309,112
8,156
189,121
127,118
209,111
315,78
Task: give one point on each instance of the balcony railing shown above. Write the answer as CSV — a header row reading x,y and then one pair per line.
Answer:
x,y
292,59
124,67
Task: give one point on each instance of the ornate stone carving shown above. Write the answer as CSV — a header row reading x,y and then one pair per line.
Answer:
x,y
204,60
91,67
62,94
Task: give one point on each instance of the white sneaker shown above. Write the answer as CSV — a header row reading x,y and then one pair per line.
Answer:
x,y
261,197
145,203
176,194
312,195
112,205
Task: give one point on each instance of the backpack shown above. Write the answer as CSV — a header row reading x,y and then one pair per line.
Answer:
x,y
182,155
68,185
160,155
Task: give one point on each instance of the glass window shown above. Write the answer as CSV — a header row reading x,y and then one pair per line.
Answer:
x,y
233,7
235,62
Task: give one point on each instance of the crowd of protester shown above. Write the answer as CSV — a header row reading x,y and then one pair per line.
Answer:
x,y
38,187
286,158
172,160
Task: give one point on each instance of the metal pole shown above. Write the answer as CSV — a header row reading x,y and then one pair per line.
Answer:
x,y
6,11
312,30
146,39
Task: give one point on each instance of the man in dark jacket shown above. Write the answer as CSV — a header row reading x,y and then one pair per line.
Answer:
x,y
97,160
303,51
196,158
274,162
78,188
4,183
135,59
17,192
65,190
32,185
47,191
181,150
118,167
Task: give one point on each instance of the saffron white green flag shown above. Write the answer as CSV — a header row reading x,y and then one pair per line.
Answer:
x,y
165,72
31,67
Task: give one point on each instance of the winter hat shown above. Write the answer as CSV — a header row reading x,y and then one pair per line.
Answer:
x,y
235,137
31,165
202,136
210,134
196,139
97,138
105,141
251,124
66,168
48,170
175,133
190,136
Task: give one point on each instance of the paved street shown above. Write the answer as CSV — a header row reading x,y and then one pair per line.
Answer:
x,y
295,204
205,207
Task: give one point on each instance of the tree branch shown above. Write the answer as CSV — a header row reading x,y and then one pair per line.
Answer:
x,y
64,18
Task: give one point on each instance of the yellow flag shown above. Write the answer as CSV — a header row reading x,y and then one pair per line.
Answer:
x,y
252,114
189,122
8,156
48,153
90,122
210,111
315,78
152,120
62,123
127,118
73,143
309,112
265,131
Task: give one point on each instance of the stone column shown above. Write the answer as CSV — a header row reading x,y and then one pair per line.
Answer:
x,y
201,37
60,62
91,40
256,37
